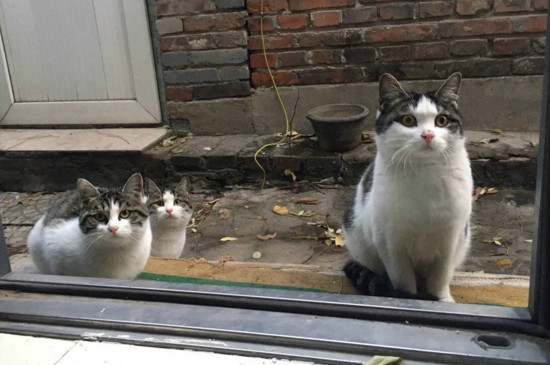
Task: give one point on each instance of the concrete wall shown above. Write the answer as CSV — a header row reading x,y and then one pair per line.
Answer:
x,y
215,78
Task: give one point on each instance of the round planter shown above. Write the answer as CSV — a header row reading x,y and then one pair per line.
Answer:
x,y
338,127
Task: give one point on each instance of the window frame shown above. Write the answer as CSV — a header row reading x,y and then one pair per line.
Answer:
x,y
532,321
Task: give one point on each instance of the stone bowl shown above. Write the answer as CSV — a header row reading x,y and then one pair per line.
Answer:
x,y
338,127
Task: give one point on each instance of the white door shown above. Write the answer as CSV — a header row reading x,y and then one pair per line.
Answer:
x,y
76,62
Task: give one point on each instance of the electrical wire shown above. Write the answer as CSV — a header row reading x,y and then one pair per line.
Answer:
x,y
287,131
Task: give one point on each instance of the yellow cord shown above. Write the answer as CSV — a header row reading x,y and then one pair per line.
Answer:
x,y
288,132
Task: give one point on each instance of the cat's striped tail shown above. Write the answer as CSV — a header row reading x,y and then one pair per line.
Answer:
x,y
369,283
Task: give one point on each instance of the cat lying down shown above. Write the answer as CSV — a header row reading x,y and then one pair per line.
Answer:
x,y
94,231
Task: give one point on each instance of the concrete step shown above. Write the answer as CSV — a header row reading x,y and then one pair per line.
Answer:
x,y
38,160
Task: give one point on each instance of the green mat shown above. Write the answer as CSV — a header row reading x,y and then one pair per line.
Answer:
x,y
189,280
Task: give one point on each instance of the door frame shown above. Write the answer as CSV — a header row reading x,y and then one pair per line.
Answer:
x,y
145,109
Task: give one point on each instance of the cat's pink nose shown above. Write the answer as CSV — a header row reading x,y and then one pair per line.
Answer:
x,y
113,229
428,136
169,210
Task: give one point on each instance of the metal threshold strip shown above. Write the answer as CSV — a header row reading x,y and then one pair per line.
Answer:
x,y
267,333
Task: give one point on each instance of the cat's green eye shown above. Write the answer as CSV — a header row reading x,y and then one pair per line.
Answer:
x,y
441,121
124,214
408,120
100,217
177,202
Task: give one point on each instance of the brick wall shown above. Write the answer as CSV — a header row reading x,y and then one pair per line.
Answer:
x,y
211,49
342,41
203,47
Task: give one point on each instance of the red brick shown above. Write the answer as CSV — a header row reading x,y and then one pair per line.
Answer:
x,y
270,6
271,42
430,51
472,7
326,18
257,60
433,9
469,47
282,78
396,11
230,39
178,93
215,22
540,4
290,59
529,24
473,27
511,46
509,6
268,24
292,21
344,37
400,33
319,4
395,53
327,56
359,15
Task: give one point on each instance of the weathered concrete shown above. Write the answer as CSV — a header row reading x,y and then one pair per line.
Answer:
x,y
507,103
505,217
506,159
223,116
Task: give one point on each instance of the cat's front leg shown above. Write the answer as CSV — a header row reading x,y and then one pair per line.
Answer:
x,y
438,279
401,272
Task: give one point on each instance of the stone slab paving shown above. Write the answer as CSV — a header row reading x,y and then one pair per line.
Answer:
x,y
502,224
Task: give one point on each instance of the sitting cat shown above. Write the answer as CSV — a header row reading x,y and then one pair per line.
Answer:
x,y
170,211
94,232
409,221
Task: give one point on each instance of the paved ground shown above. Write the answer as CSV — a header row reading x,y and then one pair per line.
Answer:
x,y
502,224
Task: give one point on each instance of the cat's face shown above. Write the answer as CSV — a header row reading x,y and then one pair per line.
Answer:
x,y
171,206
412,125
113,215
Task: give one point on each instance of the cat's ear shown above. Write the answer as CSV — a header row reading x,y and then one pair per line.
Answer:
x,y
184,185
390,89
450,88
134,186
151,188
86,189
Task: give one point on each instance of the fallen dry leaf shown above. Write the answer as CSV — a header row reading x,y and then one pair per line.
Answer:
x,y
169,141
303,213
339,241
496,131
225,258
267,236
280,209
478,194
495,240
504,262
226,239
207,148
290,174
224,213
491,191
259,218
307,201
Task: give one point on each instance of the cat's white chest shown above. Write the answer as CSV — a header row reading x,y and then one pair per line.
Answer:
x,y
422,210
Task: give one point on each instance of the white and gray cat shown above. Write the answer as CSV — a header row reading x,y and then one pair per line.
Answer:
x,y
170,211
94,231
409,221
